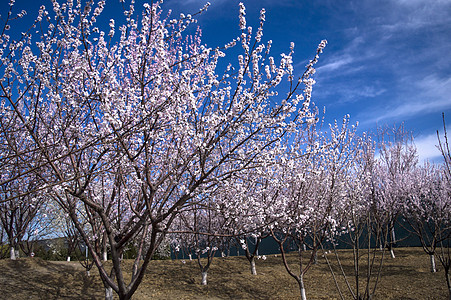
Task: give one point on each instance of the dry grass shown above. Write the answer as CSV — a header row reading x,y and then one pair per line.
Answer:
x,y
405,277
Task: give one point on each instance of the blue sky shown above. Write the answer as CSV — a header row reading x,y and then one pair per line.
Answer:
x,y
387,61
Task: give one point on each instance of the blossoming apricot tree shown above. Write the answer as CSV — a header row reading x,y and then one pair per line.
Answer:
x,y
135,120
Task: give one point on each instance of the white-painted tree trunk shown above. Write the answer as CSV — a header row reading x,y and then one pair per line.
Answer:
x,y
12,253
393,238
303,296
433,268
253,269
302,288
105,256
393,235
204,278
190,257
109,293
68,258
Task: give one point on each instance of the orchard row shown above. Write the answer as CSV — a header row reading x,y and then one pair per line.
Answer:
x,y
135,133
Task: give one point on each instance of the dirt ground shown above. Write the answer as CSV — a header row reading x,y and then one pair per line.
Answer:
x,y
406,277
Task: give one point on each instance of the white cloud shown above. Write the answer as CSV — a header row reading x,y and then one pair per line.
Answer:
x,y
422,11
335,64
427,148
436,87
432,94
417,3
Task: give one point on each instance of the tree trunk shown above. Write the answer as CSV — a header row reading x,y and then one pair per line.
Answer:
x,y
204,277
393,235
393,242
448,282
12,253
108,293
253,269
392,253
105,256
433,268
256,245
302,287
68,258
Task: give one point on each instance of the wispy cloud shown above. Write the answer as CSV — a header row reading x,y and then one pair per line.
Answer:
x,y
393,64
415,14
427,148
347,94
432,94
336,64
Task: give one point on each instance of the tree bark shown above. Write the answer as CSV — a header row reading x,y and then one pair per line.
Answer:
x,y
302,287
204,277
393,235
253,269
433,268
448,282
12,253
392,253
108,293
68,258
105,256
